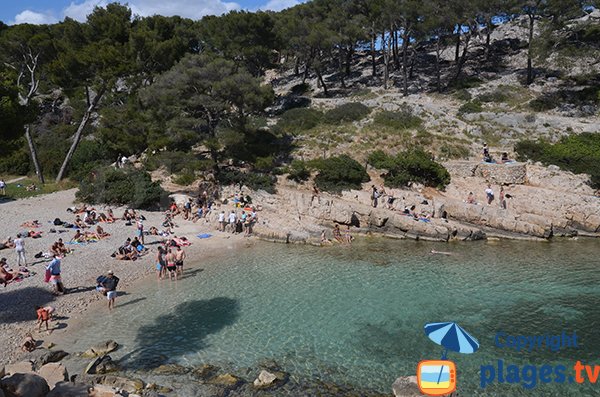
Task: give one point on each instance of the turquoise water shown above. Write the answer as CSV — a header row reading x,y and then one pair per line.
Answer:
x,y
355,315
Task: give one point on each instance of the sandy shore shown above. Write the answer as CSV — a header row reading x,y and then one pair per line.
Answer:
x,y
79,269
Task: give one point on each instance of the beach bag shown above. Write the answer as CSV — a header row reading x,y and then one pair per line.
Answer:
x,y
47,275
58,222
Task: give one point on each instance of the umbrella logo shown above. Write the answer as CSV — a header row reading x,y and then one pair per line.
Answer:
x,y
438,377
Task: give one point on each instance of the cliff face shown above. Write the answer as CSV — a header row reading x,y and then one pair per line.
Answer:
x,y
541,203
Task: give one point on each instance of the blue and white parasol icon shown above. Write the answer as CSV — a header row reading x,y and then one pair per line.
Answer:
x,y
451,337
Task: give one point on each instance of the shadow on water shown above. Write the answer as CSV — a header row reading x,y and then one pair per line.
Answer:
x,y
12,309
132,302
183,331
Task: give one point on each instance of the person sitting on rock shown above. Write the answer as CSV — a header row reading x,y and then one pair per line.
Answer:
x,y
29,344
471,198
337,234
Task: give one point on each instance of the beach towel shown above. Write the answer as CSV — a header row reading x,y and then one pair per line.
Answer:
x,y
204,235
75,243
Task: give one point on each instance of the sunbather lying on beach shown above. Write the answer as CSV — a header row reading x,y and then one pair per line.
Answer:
x,y
101,233
30,224
179,242
7,275
84,237
79,223
29,344
34,234
8,243
156,232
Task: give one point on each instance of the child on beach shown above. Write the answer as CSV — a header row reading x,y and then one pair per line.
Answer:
x,y
43,315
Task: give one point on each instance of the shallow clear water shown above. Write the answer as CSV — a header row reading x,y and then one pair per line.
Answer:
x,y
355,315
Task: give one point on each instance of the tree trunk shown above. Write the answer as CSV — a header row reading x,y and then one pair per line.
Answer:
x,y
79,133
349,54
396,55
463,57
36,164
529,50
413,61
457,49
373,36
437,65
321,81
385,48
487,38
405,41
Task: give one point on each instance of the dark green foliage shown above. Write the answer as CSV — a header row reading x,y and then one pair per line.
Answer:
x,y
253,180
175,162
89,156
403,119
300,89
470,107
339,173
186,178
298,171
16,163
544,102
351,111
414,165
463,95
464,83
299,119
454,151
130,187
495,96
577,153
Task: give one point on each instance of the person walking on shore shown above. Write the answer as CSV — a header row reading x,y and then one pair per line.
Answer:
x,y
502,198
2,187
20,250
489,194
160,263
109,285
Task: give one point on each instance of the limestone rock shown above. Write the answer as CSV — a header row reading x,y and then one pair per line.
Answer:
x,y
205,372
104,391
22,367
265,379
101,349
406,386
119,382
54,373
171,369
101,365
227,380
68,389
41,357
25,385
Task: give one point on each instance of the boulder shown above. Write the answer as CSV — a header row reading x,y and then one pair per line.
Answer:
x,y
205,372
101,349
68,389
265,379
227,380
406,386
101,365
54,373
41,357
22,367
104,391
171,369
25,385
119,382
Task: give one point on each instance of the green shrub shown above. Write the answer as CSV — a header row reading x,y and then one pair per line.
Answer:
x,y
403,119
577,153
129,187
544,102
17,163
495,96
351,111
298,171
412,166
451,151
463,95
186,178
339,173
466,82
299,119
253,180
470,107
379,159
264,164
300,89
175,162
89,156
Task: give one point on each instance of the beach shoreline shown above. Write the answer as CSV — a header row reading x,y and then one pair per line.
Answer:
x,y
81,268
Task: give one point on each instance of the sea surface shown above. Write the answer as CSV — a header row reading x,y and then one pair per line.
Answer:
x,y
354,315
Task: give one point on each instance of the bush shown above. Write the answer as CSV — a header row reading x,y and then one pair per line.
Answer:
x,y
470,107
186,178
299,119
463,95
544,102
264,164
351,111
411,166
401,120
298,171
175,162
17,163
454,151
89,156
129,187
577,153
300,89
495,96
339,173
253,180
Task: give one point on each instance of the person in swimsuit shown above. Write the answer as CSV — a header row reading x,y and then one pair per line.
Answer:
x,y
337,234
171,267
43,315
179,258
160,263
347,236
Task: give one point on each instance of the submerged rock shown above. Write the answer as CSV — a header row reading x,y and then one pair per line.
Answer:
x,y
25,385
171,369
101,349
227,380
205,372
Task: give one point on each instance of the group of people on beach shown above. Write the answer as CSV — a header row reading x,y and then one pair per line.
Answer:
x,y
490,197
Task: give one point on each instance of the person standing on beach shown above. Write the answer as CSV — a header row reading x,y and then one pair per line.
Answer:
x,y
20,250
2,187
502,198
232,219
179,258
489,194
109,285
160,263
171,266
53,275
43,315
222,221
140,231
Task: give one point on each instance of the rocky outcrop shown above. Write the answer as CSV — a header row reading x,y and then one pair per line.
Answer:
x,y
406,386
500,174
54,373
101,349
24,385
